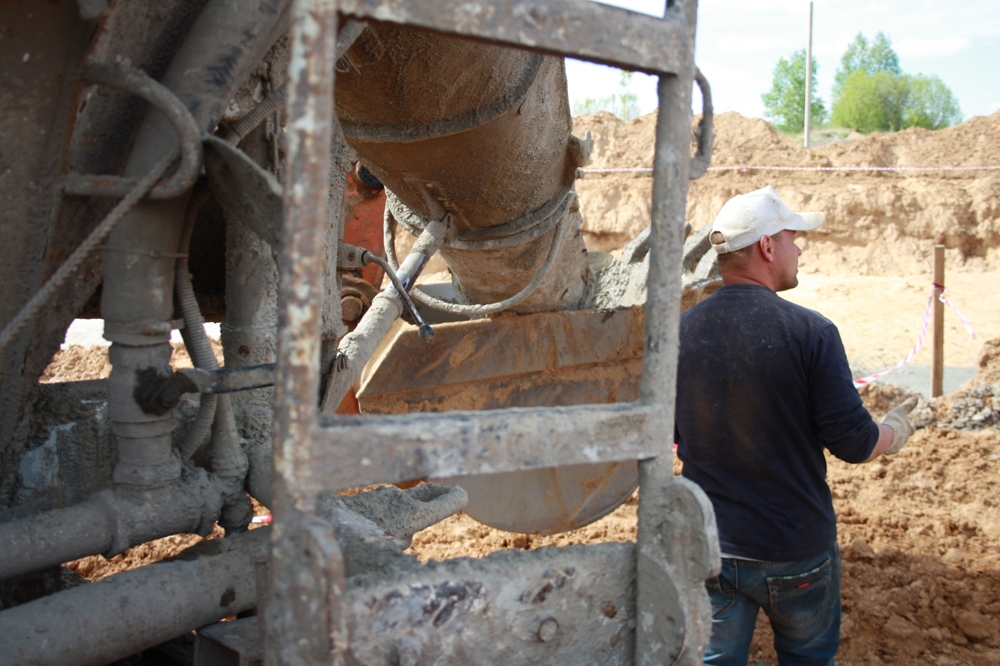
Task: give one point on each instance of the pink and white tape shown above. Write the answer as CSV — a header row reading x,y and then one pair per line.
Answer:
x,y
961,315
864,381
756,167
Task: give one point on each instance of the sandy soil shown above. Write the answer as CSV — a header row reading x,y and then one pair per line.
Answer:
x,y
919,531
879,317
877,223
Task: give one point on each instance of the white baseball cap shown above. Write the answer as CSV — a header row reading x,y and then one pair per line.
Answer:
x,y
746,218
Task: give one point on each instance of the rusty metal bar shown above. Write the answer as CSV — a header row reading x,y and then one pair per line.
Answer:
x,y
362,450
230,380
574,28
658,559
304,605
309,136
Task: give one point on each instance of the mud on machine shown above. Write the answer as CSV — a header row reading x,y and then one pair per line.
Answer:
x,y
329,578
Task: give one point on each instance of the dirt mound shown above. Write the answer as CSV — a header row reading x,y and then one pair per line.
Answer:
x,y
976,142
880,397
988,363
878,223
77,363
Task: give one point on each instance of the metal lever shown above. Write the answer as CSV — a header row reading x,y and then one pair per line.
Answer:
x,y
352,256
158,394
230,380
424,330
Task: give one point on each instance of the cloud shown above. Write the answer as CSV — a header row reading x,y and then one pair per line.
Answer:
x,y
933,46
735,42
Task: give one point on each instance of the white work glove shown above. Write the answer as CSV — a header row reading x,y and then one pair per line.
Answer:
x,y
895,418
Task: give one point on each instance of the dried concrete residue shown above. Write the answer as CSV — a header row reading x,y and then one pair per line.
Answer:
x,y
621,282
404,513
375,526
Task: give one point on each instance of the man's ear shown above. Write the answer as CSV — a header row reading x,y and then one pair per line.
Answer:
x,y
766,244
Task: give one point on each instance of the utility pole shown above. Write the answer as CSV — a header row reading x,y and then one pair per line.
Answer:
x,y
809,76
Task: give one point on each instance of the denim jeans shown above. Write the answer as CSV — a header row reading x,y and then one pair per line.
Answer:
x,y
802,600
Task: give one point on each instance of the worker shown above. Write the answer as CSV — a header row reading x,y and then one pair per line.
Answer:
x,y
763,387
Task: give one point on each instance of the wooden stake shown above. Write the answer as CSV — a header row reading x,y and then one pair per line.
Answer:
x,y
937,364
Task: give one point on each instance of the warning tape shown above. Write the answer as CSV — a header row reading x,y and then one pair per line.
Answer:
x,y
961,315
755,167
864,381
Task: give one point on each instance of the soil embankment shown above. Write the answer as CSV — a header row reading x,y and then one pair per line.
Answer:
x,y
878,223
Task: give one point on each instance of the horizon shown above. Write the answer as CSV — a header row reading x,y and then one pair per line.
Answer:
x,y
954,40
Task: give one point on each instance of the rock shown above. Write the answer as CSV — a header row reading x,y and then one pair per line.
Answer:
x,y
908,637
974,625
953,557
859,550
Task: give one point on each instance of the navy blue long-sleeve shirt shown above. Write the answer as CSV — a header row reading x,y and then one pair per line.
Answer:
x,y
763,386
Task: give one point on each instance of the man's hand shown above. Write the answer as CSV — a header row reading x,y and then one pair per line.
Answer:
x,y
895,418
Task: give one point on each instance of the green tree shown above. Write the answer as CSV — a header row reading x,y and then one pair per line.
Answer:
x,y
624,104
871,92
869,57
785,102
931,104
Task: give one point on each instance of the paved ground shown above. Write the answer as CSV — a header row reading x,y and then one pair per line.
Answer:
x,y
918,377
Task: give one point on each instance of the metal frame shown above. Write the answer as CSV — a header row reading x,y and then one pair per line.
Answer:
x,y
314,455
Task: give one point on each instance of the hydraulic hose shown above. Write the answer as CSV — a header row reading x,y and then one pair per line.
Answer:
x,y
195,338
477,309
214,411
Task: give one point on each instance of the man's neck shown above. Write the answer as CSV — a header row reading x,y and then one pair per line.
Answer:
x,y
744,278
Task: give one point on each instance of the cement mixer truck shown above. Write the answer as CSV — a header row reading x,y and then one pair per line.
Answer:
x,y
176,162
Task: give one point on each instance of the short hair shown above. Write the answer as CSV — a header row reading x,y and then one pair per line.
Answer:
x,y
737,259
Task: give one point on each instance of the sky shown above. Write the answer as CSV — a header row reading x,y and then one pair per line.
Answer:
x,y
739,42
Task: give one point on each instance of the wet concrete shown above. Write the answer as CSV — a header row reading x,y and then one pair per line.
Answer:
x,y
917,378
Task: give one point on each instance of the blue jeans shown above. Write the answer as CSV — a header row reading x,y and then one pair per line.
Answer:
x,y
802,600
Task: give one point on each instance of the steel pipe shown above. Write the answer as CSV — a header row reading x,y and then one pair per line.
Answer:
x,y
110,522
123,614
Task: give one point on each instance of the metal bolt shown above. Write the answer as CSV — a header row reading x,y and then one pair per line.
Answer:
x,y
548,629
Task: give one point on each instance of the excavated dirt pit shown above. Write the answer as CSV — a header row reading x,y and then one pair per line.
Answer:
x,y
919,531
